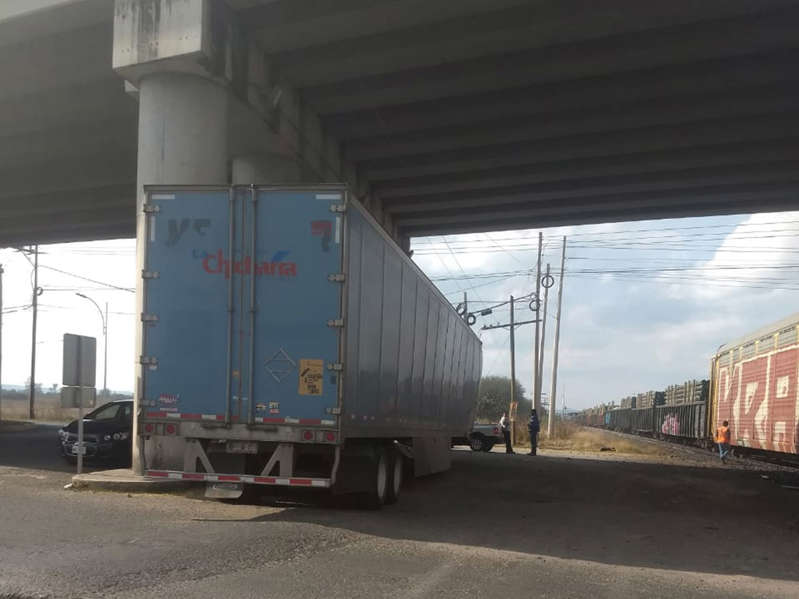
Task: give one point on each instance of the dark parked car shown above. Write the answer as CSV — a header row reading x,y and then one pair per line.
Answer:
x,y
106,434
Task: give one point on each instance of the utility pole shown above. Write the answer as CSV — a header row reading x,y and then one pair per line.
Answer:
x,y
536,386
1,342
512,410
551,424
105,353
36,293
512,325
543,333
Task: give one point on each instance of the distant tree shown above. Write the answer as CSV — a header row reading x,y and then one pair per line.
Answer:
x,y
494,398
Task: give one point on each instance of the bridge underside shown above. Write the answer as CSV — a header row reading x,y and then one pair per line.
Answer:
x,y
446,117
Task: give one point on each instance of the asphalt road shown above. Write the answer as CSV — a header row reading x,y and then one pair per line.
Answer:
x,y
494,526
27,445
34,446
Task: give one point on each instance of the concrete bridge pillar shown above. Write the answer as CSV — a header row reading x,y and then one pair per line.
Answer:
x,y
169,51
266,168
183,139
183,131
204,96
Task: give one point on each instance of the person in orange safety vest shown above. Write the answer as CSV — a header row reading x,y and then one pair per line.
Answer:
x,y
723,440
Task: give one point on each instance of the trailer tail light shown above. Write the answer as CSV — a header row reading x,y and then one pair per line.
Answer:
x,y
330,437
149,428
171,429
307,435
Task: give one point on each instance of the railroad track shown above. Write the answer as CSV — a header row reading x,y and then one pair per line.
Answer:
x,y
750,457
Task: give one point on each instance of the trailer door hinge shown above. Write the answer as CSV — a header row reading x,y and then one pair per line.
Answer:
x,y
149,318
336,366
150,274
337,323
152,208
337,277
150,361
338,207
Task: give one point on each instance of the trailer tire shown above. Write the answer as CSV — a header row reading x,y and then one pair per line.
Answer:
x,y
477,442
379,480
396,475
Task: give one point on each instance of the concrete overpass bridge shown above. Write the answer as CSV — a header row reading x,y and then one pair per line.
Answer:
x,y
443,116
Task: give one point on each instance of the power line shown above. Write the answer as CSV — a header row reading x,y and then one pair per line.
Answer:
x,y
705,283
455,258
631,238
531,236
90,280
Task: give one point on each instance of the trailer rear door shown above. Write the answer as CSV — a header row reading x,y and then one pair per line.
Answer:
x,y
297,305
186,323
241,309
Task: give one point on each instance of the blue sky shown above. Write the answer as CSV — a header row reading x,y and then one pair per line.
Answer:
x,y
645,303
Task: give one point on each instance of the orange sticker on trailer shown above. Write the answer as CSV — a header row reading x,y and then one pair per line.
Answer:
x,y
311,376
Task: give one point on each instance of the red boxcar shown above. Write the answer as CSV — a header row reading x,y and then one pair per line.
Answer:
x,y
754,387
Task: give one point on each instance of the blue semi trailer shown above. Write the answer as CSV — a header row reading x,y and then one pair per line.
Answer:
x,y
287,340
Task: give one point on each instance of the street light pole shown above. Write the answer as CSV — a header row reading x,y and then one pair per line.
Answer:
x,y
104,318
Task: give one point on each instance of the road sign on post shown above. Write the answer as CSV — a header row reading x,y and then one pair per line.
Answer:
x,y
78,380
80,361
78,397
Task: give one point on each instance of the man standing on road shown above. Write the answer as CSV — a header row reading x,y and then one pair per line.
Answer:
x,y
723,440
504,425
533,427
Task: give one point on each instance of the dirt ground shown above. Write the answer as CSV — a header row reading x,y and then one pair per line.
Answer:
x,y
608,445
660,521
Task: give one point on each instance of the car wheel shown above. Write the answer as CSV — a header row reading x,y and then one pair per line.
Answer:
x,y
488,447
477,443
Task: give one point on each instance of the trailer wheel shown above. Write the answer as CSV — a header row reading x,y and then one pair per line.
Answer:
x,y
397,467
379,479
477,443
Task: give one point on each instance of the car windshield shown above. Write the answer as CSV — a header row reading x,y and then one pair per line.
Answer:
x,y
109,412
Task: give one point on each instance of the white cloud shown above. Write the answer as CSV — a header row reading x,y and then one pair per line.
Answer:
x,y
623,335
755,256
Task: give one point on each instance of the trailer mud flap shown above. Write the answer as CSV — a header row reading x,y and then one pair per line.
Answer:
x,y
431,455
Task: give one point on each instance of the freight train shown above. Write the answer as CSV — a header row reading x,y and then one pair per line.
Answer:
x,y
752,385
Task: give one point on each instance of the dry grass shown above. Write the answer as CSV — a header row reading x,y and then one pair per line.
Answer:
x,y
563,430
45,408
571,437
